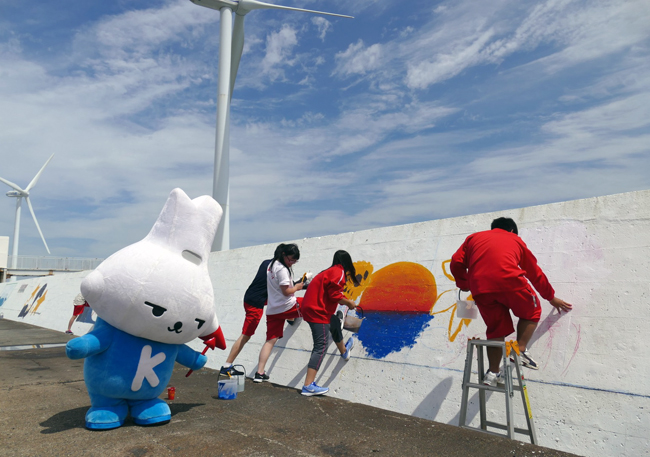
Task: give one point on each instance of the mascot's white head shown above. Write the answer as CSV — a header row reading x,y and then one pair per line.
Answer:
x,y
159,288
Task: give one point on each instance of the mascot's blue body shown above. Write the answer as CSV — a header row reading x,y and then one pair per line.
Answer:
x,y
123,371
151,298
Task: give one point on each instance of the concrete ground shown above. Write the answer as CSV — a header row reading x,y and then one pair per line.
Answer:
x,y
43,401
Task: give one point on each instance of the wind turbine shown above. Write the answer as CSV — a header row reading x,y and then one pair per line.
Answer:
x,y
231,44
20,194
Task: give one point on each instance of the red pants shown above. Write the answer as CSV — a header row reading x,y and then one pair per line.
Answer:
x,y
275,322
253,318
495,309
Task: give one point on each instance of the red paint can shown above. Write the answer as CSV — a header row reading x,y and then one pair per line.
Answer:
x,y
171,393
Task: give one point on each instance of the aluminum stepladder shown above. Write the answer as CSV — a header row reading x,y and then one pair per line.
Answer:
x,y
509,349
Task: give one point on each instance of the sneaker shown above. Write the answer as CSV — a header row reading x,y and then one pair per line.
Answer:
x,y
69,332
230,371
313,389
348,347
260,377
494,379
526,360
291,321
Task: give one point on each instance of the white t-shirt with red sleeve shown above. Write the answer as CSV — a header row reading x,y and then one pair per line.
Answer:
x,y
278,275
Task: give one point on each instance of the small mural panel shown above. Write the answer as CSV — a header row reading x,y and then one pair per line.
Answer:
x,y
34,301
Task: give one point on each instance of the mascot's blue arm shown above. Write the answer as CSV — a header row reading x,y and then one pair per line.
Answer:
x,y
190,358
98,340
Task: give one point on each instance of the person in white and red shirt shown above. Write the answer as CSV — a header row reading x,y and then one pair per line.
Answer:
x,y
496,266
79,304
281,305
318,308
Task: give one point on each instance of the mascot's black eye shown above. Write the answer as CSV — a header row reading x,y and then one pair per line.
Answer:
x,y
201,322
155,309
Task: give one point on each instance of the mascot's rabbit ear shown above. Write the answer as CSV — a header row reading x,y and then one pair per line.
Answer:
x,y
187,225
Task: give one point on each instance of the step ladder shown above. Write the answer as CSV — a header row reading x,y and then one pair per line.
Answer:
x,y
510,349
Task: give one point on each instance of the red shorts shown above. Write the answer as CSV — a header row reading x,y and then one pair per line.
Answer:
x,y
275,322
79,309
495,309
253,318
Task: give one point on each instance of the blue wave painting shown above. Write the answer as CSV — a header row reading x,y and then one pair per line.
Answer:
x,y
383,333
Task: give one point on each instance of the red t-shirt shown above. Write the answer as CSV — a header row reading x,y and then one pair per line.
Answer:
x,y
497,261
323,295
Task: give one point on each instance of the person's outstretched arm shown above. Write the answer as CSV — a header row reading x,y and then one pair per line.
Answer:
x,y
561,305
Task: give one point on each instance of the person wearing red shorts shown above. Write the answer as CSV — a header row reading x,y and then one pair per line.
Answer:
x,y
282,305
496,266
79,304
254,302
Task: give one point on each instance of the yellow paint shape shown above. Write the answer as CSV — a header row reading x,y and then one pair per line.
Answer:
x,y
364,271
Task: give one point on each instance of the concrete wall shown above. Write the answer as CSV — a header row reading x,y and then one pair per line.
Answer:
x,y
591,395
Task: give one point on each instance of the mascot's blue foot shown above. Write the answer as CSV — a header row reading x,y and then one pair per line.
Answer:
x,y
106,417
150,412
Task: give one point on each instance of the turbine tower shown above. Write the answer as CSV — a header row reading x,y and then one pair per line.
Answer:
x,y
19,194
231,44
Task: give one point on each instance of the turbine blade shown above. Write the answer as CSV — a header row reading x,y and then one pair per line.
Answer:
x,y
31,210
237,49
10,184
38,175
249,5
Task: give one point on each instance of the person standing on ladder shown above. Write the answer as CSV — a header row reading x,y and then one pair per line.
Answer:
x,y
496,265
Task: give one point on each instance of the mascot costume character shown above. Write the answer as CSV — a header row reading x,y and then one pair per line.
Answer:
x,y
151,298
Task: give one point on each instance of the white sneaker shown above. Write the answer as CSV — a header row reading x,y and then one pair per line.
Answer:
x,y
525,360
494,379
348,347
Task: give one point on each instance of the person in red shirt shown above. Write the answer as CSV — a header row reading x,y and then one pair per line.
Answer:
x,y
496,266
324,294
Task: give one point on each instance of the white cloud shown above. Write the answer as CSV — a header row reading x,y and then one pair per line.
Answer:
x,y
279,46
323,26
490,33
445,66
358,59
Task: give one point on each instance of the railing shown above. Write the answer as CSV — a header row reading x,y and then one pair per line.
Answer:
x,y
28,262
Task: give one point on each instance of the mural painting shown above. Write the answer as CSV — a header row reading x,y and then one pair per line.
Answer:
x,y
6,291
398,302
34,301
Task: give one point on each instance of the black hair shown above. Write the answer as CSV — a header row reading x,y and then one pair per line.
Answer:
x,y
506,224
342,258
288,250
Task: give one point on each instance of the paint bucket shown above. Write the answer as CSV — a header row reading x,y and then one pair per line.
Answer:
x,y
353,319
241,379
227,388
466,309
171,393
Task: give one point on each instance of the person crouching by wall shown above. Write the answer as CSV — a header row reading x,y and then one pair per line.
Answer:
x,y
79,304
318,309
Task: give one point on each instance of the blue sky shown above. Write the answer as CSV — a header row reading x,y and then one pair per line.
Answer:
x,y
411,111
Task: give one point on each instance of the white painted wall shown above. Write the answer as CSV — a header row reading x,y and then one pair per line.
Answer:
x,y
591,395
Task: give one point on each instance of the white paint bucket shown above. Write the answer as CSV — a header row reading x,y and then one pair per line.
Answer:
x,y
466,309
240,378
227,389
